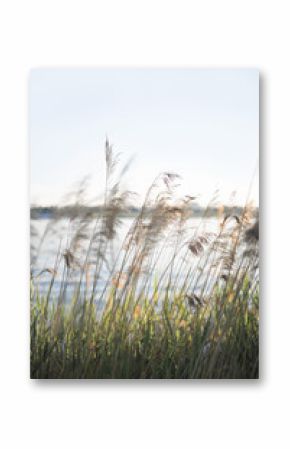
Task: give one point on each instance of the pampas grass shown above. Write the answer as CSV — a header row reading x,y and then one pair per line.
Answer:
x,y
197,318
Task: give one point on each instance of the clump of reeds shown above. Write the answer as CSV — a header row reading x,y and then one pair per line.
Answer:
x,y
196,318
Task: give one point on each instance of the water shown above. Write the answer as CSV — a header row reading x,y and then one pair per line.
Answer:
x,y
58,239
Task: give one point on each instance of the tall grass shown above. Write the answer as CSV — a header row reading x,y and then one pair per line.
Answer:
x,y
196,318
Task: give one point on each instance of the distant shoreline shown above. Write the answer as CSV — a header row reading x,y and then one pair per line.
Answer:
x,y
53,212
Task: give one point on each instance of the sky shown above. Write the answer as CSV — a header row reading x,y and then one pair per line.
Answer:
x,y
201,124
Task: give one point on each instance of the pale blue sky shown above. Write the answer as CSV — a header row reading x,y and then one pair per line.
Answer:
x,y
202,124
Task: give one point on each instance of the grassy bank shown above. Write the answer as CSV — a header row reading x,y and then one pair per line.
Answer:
x,y
146,341
198,318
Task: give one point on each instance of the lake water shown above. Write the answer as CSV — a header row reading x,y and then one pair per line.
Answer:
x,y
58,238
